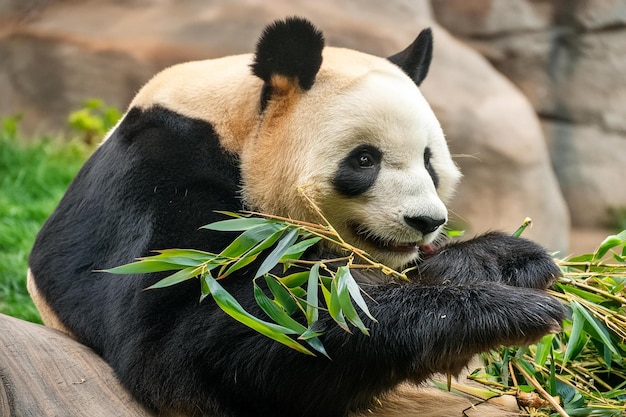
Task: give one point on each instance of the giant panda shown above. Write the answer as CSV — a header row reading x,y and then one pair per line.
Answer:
x,y
246,132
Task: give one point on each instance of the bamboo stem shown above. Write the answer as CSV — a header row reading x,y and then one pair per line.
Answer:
x,y
549,398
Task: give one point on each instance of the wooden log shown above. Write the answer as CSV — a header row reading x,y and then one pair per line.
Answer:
x,y
44,373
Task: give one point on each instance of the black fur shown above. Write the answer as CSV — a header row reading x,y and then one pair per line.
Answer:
x,y
415,59
150,186
292,48
431,170
358,171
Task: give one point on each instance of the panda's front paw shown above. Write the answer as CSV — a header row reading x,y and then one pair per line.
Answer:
x,y
491,257
523,263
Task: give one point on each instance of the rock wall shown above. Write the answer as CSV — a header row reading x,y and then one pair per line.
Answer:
x,y
56,54
569,58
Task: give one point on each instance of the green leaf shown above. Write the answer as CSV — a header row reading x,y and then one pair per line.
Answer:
x,y
343,295
296,251
504,369
589,296
281,295
295,280
544,347
252,254
281,317
587,257
355,293
577,338
316,344
144,266
178,277
243,261
601,332
237,225
193,254
281,247
249,239
552,379
312,303
205,291
275,312
231,307
334,307
609,243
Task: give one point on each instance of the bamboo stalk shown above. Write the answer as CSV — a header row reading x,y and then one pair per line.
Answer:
x,y
549,398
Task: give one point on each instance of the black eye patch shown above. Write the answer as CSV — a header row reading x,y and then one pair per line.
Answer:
x,y
358,171
431,170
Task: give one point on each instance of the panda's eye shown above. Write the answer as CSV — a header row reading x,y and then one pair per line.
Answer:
x,y
427,155
366,160
358,171
429,167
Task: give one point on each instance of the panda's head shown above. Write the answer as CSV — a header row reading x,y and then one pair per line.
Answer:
x,y
356,135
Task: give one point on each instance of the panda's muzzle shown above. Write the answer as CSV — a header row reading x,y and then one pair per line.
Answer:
x,y
424,224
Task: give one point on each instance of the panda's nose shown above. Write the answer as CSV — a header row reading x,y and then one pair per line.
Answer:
x,y
424,224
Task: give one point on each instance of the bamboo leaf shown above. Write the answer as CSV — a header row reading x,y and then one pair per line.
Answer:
x,y
609,243
249,239
145,266
196,255
178,277
294,280
237,225
231,307
266,243
355,293
296,251
601,332
316,344
275,312
242,262
312,302
577,339
343,295
309,334
589,296
281,247
587,257
281,295
544,347
252,254
334,307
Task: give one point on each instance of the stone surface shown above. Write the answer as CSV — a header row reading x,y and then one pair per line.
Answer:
x,y
572,71
487,17
70,51
591,167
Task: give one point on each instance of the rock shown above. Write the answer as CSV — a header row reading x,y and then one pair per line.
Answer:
x,y
572,71
594,14
486,18
591,167
73,51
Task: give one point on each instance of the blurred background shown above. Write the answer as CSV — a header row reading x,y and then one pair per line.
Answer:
x,y
531,93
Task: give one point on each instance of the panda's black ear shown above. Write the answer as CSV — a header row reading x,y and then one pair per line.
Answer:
x,y
290,48
415,59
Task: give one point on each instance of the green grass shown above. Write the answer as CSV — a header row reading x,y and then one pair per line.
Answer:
x,y
33,177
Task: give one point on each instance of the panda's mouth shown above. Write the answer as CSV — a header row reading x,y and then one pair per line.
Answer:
x,y
383,243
